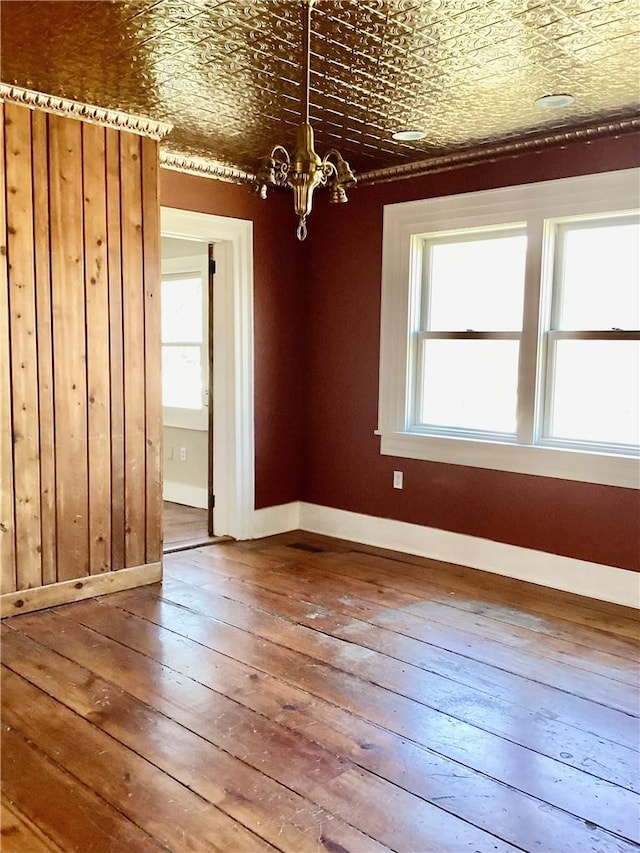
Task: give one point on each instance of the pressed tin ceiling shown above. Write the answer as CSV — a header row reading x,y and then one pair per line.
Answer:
x,y
226,75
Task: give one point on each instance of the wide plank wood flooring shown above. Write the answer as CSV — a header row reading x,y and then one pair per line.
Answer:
x,y
302,694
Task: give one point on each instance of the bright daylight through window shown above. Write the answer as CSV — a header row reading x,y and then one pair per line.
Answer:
x,y
183,349
511,329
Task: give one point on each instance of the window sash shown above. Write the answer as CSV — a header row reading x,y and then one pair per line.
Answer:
x,y
559,229
545,438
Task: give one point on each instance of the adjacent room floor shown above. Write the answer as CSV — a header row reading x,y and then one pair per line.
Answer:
x,y
184,527
300,694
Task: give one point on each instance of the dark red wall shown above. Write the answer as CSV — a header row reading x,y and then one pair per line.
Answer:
x,y
279,306
343,465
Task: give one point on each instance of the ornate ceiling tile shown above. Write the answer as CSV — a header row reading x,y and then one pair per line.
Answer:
x,y
226,73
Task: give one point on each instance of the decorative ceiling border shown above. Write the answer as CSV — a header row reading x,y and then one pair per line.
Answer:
x,y
204,168
86,112
500,150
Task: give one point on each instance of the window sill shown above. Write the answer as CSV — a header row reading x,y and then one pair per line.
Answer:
x,y
193,419
603,468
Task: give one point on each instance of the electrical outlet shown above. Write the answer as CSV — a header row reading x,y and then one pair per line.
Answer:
x,y
183,454
397,479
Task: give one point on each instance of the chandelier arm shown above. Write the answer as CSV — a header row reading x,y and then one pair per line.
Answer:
x,y
282,150
328,169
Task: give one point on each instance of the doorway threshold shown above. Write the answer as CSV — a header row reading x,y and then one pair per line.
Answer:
x,y
189,544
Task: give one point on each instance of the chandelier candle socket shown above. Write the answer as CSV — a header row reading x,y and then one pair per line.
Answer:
x,y
304,170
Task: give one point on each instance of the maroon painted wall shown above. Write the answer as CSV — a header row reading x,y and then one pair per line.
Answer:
x,y
279,307
343,466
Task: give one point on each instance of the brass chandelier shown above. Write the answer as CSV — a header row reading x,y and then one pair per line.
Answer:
x,y
304,170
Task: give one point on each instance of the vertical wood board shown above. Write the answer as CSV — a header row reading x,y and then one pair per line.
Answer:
x,y
98,377
152,332
69,346
114,260
40,163
133,336
7,523
24,356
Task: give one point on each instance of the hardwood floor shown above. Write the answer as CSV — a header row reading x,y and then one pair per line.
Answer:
x,y
184,527
302,694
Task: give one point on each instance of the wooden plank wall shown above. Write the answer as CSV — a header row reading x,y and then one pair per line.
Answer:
x,y
80,408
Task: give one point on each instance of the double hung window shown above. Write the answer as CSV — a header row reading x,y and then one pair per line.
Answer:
x,y
510,333
184,344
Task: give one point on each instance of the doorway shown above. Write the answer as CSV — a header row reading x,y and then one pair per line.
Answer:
x,y
229,463
186,306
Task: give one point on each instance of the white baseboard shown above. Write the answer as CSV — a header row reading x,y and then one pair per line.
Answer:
x,y
275,519
593,580
181,493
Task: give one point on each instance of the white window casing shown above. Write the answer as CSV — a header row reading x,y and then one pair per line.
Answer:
x,y
539,209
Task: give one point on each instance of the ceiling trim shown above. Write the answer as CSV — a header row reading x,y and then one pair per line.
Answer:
x,y
441,163
499,150
86,112
204,168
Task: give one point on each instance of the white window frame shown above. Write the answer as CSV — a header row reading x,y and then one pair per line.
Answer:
x,y
196,419
540,206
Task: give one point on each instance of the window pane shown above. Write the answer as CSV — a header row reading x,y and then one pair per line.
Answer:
x,y
181,377
601,278
596,392
477,284
470,385
182,310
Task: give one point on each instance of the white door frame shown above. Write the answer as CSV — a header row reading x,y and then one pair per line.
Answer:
x,y
233,412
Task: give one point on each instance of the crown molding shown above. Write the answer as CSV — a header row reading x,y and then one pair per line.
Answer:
x,y
204,168
500,150
85,112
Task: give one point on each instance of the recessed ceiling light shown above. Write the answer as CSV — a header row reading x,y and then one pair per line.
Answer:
x,y
554,102
409,135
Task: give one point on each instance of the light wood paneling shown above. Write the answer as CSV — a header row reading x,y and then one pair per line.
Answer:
x,y
24,360
98,378
114,259
23,347
133,327
7,521
69,346
152,347
42,246
80,408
